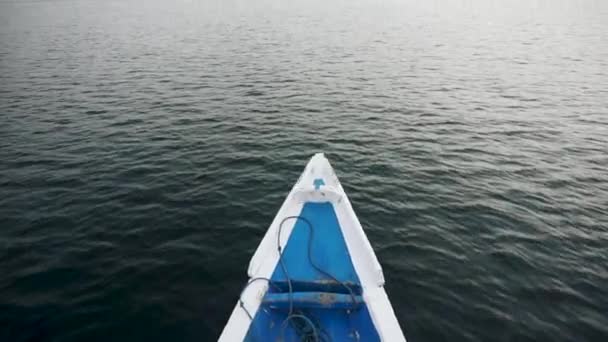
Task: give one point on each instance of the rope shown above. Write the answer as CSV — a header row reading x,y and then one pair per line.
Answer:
x,y
242,304
310,260
316,267
309,332
303,338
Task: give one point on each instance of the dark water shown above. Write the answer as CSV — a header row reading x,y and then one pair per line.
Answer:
x,y
145,146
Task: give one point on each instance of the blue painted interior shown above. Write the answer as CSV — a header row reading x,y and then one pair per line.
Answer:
x,y
330,253
328,249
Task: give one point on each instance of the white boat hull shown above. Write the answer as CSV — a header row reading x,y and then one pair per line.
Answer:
x,y
318,184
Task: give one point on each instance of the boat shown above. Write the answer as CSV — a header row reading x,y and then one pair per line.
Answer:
x,y
314,276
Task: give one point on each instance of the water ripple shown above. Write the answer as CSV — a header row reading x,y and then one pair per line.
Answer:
x,y
145,149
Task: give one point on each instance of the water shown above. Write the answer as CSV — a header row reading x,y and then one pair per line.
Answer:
x,y
145,147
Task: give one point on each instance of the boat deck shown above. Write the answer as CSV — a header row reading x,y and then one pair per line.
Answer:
x,y
328,304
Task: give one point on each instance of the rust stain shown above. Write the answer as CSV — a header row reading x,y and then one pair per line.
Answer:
x,y
327,298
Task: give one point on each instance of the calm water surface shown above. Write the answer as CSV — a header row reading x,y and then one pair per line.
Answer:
x,y
145,147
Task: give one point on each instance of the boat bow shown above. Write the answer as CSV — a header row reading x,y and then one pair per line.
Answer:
x,y
281,277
